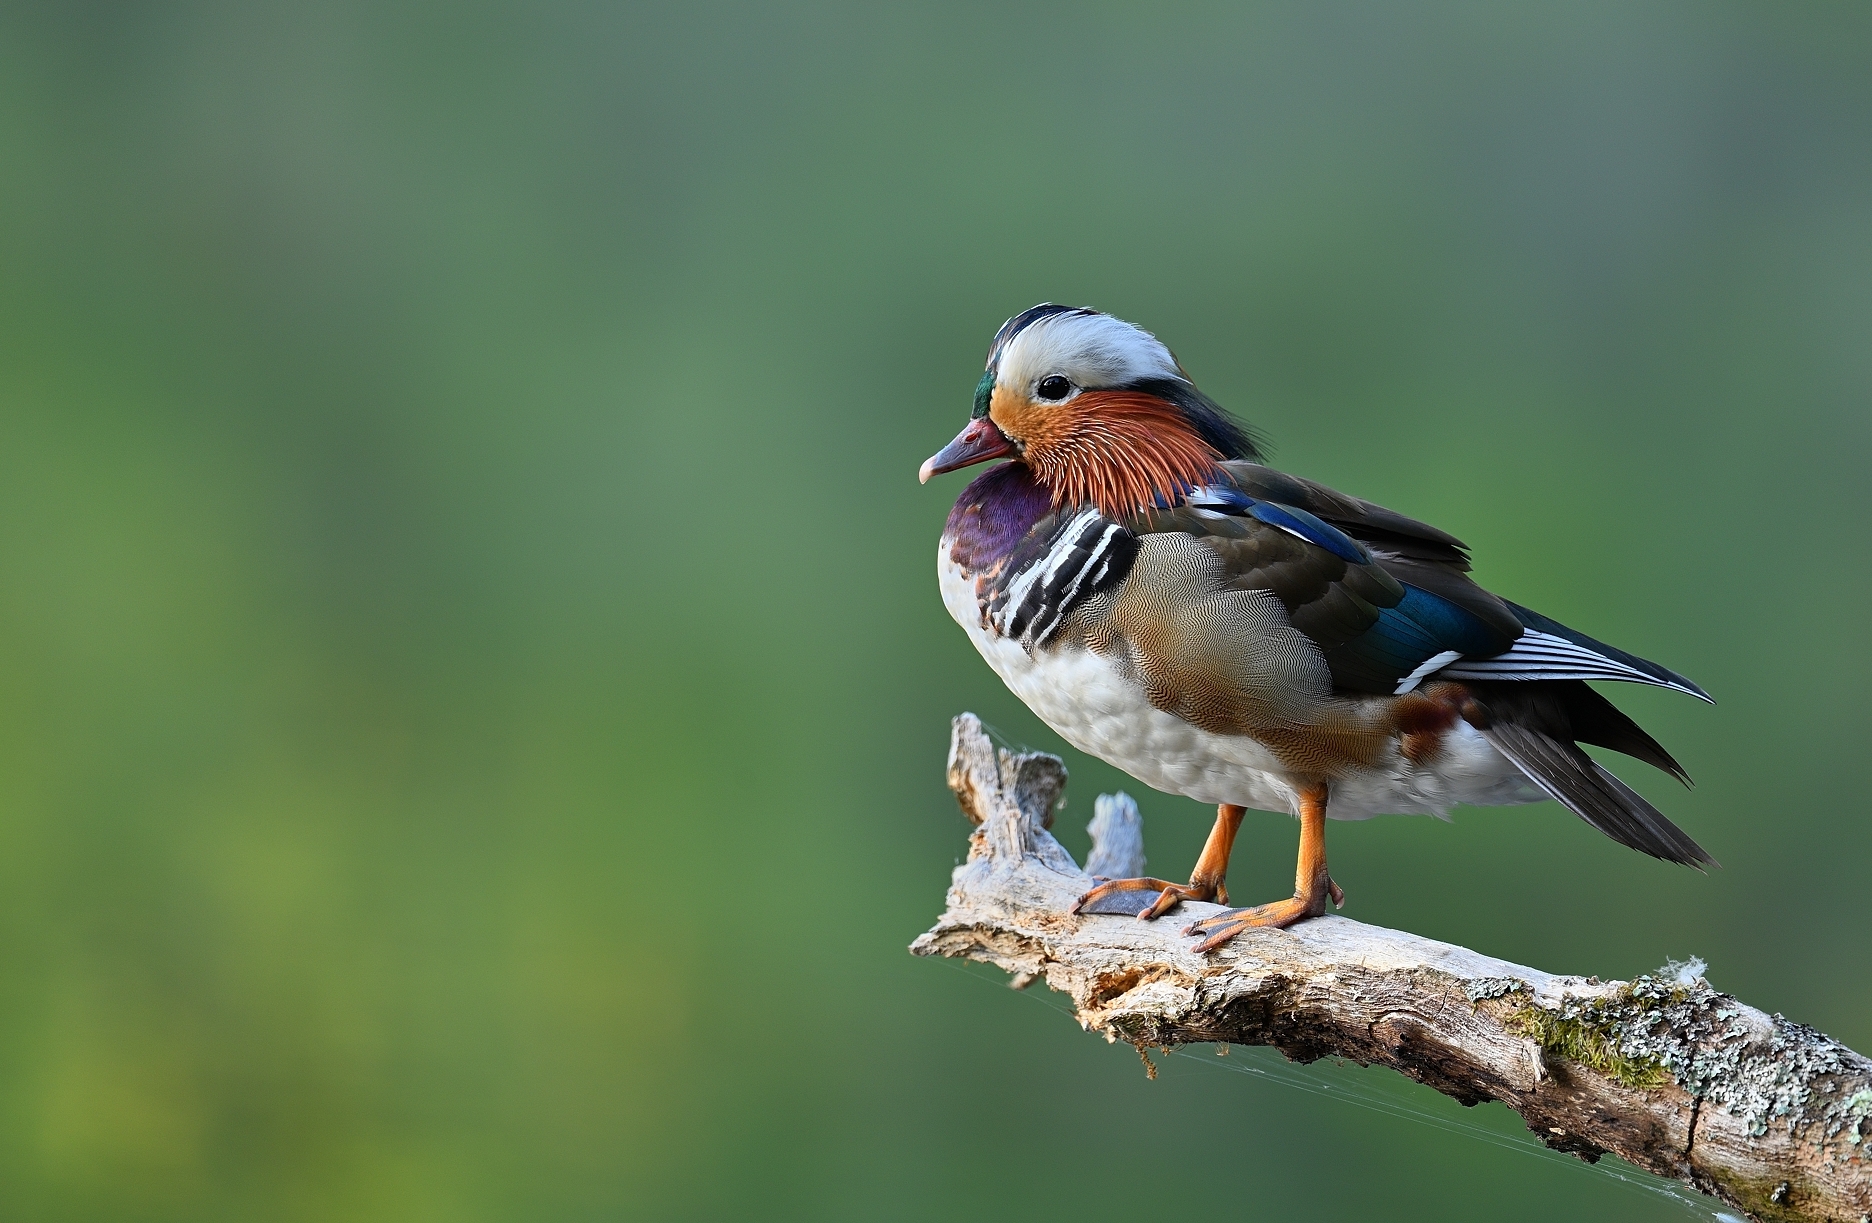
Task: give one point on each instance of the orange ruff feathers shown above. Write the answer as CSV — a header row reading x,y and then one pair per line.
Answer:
x,y
1117,450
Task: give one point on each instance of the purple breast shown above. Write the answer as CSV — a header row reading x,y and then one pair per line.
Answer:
x,y
994,513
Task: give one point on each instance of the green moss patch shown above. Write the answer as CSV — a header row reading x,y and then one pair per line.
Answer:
x,y
1576,1038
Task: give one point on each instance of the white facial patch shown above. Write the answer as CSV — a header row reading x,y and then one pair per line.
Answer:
x,y
1094,351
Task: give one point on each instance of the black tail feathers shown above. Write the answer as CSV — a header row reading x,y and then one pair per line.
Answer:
x,y
1539,726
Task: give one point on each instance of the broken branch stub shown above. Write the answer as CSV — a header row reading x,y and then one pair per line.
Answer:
x,y
1117,832
1766,1115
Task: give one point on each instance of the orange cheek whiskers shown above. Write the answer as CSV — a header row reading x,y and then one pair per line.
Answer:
x,y
1118,450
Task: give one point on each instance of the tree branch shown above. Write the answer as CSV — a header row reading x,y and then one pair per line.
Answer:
x,y
1767,1115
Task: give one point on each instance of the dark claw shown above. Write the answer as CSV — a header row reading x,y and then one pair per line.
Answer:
x,y
1204,925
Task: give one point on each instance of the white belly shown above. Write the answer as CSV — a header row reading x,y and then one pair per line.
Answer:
x,y
1101,712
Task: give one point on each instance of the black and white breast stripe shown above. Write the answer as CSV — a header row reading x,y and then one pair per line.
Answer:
x,y
1049,575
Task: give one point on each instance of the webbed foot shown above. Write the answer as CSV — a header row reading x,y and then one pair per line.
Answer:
x,y
1279,915
1145,898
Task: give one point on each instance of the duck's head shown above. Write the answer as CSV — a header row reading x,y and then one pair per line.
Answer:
x,y
1097,409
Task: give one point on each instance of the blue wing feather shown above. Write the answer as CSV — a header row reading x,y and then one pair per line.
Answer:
x,y
1450,626
1421,627
1314,530
1288,518
1428,631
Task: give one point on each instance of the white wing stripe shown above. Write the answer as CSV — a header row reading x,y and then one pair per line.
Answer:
x,y
1424,668
1537,655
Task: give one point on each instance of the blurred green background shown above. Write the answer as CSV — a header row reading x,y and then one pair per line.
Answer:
x,y
473,692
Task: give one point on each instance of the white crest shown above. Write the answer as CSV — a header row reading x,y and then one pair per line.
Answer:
x,y
1092,351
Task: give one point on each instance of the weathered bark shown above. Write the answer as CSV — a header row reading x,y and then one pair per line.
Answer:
x,y
1768,1116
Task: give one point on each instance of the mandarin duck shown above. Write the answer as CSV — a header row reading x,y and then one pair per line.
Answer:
x,y
1222,630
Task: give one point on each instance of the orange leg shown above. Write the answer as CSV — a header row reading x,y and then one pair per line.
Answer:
x,y
1312,885
1207,881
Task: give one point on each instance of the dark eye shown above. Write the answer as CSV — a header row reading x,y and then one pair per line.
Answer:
x,y
1054,387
